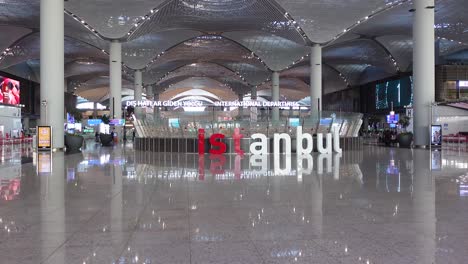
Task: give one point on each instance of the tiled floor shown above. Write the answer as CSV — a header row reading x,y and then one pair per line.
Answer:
x,y
112,205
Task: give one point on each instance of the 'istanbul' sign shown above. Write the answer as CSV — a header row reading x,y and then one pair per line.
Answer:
x,y
332,143
147,103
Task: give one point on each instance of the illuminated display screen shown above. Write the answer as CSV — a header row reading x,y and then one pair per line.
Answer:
x,y
10,91
393,119
399,92
174,122
463,89
325,121
436,135
463,190
294,122
117,122
70,119
94,122
463,84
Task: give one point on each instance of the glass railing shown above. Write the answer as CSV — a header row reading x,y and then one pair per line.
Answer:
x,y
173,124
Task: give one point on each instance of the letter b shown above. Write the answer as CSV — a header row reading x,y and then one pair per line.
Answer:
x,y
299,142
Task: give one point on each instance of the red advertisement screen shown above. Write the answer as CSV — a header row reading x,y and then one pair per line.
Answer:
x,y
10,91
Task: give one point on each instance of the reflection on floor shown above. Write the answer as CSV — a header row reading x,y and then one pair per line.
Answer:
x,y
112,205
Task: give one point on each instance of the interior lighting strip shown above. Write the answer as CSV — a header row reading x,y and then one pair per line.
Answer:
x,y
85,24
389,5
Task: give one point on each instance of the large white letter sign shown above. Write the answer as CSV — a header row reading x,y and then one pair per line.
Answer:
x,y
286,143
336,141
320,147
299,142
263,144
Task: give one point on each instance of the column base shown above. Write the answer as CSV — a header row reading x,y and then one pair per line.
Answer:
x,y
421,146
58,149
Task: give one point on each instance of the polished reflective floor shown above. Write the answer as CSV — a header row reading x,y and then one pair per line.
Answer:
x,y
114,205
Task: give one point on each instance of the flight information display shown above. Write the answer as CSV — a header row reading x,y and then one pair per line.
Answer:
x,y
399,92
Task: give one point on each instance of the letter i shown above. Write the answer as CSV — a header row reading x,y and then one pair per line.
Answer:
x,y
201,141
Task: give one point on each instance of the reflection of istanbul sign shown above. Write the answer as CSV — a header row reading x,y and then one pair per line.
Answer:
x,y
332,143
282,166
219,103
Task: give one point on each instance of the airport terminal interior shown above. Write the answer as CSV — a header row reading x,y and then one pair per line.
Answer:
x,y
233,131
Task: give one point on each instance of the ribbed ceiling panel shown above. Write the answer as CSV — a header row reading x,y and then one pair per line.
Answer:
x,y
111,18
277,52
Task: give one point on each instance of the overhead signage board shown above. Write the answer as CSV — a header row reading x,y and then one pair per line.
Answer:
x,y
219,103
117,122
44,137
94,122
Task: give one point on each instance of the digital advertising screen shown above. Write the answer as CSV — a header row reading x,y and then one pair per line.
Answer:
x,y
436,135
44,137
399,92
9,91
393,119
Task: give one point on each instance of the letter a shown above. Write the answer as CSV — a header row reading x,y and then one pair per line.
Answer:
x,y
263,144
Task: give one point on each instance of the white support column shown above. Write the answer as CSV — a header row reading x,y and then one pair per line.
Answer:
x,y
423,70
253,109
316,79
155,98
241,109
275,95
95,105
138,95
52,69
26,124
253,93
115,79
138,85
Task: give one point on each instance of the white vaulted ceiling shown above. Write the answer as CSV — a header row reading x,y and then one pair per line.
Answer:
x,y
227,46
